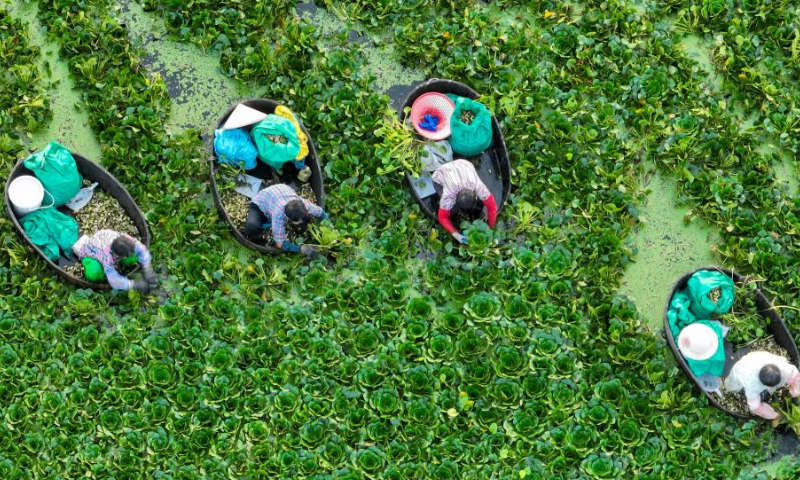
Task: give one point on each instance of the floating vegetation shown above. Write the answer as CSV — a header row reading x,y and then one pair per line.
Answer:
x,y
747,326
512,357
24,104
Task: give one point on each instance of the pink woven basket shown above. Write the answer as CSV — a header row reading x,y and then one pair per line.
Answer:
x,y
438,105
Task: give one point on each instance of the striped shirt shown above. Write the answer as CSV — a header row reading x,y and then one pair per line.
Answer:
x,y
98,246
272,202
456,176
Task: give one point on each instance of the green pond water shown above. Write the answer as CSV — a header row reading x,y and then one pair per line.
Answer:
x,y
783,166
70,124
199,90
667,247
382,60
787,173
699,50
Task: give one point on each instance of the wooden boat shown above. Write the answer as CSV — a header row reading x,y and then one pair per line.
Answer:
x,y
263,172
493,165
93,172
773,323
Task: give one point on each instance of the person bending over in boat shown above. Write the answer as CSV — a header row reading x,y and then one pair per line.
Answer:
x,y
108,247
462,190
274,207
762,371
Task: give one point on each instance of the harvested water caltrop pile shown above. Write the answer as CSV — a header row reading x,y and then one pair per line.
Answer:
x,y
400,353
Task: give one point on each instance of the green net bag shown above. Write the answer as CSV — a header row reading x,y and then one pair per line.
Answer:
x,y
51,231
679,314
56,169
275,153
470,139
712,293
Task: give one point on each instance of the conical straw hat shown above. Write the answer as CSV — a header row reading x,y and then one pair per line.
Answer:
x,y
243,116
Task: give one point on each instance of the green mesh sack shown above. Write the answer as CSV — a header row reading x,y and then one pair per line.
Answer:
x,y
51,231
470,139
56,169
275,154
94,272
712,293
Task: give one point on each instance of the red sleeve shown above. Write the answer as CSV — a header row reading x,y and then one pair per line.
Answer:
x,y
444,219
491,210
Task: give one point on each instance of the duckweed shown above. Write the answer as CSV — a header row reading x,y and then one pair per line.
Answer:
x,y
512,357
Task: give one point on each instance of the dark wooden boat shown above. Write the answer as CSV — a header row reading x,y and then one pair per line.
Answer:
x,y
263,172
93,172
772,321
493,165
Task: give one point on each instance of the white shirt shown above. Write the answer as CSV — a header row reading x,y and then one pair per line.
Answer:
x,y
744,374
456,176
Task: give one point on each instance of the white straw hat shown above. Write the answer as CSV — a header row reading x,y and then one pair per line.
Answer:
x,y
698,341
243,116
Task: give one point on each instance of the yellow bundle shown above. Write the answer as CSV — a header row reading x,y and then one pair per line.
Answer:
x,y
302,139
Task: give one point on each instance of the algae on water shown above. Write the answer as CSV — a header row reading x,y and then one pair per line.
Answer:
x,y
381,61
698,50
200,92
70,124
667,247
786,171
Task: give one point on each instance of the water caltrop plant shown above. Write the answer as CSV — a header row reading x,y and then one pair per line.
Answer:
x,y
403,355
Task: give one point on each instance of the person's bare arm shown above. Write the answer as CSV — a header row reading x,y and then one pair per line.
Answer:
x,y
794,385
763,410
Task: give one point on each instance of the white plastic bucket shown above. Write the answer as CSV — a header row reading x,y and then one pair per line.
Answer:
x,y
26,194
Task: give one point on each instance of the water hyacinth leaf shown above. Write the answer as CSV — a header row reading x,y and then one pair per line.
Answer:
x,y
483,307
404,355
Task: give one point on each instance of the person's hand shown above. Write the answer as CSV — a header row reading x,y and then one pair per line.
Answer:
x,y
149,274
308,251
766,411
794,386
141,286
460,238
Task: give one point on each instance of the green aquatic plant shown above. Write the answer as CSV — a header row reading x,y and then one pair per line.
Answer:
x,y
745,320
24,105
400,147
483,307
510,357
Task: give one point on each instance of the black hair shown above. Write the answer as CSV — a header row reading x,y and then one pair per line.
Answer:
x,y
770,375
296,212
122,247
466,201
